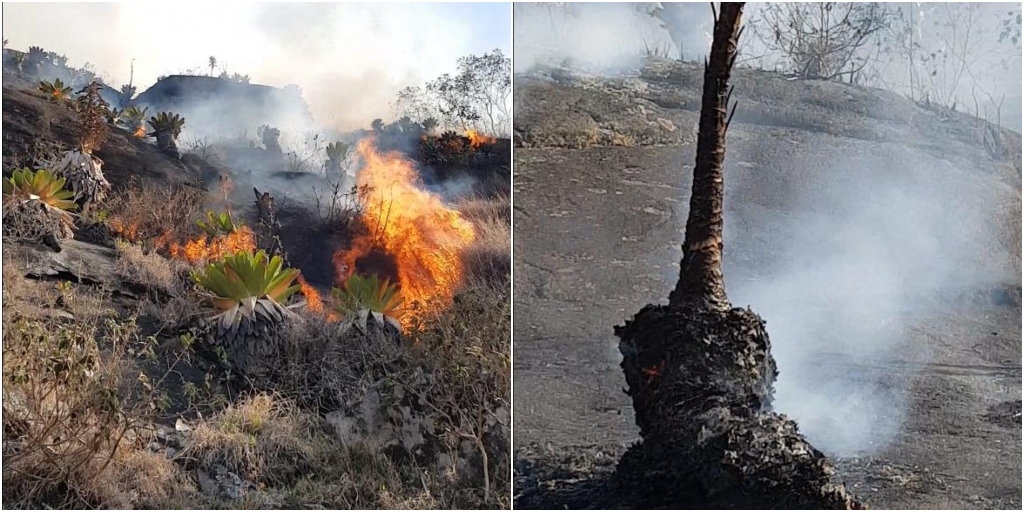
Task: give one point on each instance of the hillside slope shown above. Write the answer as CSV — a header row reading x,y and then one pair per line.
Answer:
x,y
879,239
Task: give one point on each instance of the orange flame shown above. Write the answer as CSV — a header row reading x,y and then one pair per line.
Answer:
x,y
411,224
477,139
127,230
140,131
313,301
207,248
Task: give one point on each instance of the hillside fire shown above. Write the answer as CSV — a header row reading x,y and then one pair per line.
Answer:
x,y
410,225
477,139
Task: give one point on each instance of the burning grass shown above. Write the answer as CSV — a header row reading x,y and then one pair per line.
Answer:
x,y
414,226
206,247
273,439
155,215
477,139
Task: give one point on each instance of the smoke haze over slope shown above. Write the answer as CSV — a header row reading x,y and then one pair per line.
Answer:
x,y
350,60
610,37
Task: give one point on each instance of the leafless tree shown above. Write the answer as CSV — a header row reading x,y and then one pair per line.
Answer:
x,y
822,40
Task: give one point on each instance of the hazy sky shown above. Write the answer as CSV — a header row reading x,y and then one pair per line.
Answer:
x,y
349,59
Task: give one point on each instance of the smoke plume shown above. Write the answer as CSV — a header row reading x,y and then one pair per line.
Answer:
x,y
349,60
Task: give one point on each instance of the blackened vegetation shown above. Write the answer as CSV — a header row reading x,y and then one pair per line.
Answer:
x,y
702,384
450,155
268,228
700,373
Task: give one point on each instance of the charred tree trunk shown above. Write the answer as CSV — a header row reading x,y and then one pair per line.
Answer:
x,y
165,142
268,230
700,373
333,171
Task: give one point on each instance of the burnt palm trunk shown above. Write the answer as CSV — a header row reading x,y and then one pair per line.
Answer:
x,y
701,374
166,143
700,273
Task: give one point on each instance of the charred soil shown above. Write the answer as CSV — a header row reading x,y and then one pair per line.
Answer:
x,y
602,191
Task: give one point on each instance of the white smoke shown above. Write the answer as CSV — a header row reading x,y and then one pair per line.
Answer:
x,y
350,60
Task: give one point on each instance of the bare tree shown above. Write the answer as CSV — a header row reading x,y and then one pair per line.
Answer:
x,y
823,40
488,83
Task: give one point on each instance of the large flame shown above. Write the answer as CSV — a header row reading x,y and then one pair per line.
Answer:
x,y
477,139
411,224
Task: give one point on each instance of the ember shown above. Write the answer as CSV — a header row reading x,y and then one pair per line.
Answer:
x,y
127,230
653,372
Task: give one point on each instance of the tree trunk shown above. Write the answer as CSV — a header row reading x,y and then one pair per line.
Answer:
x,y
701,374
165,142
700,273
333,171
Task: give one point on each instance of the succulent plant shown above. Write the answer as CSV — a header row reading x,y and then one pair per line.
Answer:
x,y
336,152
166,128
36,206
217,224
34,59
127,92
114,116
55,90
369,292
249,292
41,185
270,137
136,115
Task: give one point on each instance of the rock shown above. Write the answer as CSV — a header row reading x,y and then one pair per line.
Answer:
x,y
219,482
79,262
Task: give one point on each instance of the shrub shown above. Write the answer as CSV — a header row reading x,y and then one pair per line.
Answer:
x,y
92,113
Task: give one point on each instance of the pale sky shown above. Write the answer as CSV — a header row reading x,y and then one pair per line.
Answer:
x,y
349,59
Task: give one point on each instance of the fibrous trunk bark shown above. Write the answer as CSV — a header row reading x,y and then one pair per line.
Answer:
x,y
700,273
700,373
165,142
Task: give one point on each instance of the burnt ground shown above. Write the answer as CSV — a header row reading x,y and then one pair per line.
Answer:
x,y
814,172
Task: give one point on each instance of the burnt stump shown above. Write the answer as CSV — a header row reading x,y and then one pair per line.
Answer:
x,y
701,381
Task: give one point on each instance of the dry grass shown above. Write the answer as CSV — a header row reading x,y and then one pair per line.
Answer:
x,y
484,210
273,443
170,299
156,214
470,348
490,256
149,269
261,439
72,436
